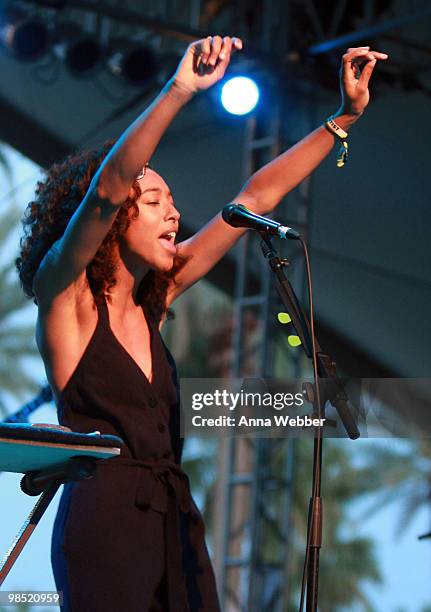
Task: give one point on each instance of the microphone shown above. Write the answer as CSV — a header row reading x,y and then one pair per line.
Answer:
x,y
238,215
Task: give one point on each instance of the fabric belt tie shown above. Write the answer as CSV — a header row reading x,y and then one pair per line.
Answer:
x,y
167,490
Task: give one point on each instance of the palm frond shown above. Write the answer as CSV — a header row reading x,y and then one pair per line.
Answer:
x,y
16,380
8,221
416,497
17,333
11,301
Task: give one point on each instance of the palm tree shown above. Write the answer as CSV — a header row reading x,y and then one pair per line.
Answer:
x,y
403,476
347,561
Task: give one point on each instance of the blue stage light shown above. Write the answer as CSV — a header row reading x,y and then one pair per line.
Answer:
x,y
239,95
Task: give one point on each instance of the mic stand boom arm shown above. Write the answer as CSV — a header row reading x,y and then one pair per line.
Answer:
x,y
334,391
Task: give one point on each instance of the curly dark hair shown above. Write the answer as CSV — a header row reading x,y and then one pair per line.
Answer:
x,y
46,218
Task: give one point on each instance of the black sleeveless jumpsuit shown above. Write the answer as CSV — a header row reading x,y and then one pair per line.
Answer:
x,y
130,538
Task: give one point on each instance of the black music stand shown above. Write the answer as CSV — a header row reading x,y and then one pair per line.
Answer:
x,y
48,456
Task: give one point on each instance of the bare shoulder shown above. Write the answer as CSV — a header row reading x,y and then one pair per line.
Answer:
x,y
65,324
44,281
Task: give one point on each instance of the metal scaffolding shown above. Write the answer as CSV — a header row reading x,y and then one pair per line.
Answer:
x,y
256,478
256,473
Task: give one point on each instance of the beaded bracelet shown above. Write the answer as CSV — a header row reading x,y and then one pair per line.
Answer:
x,y
342,136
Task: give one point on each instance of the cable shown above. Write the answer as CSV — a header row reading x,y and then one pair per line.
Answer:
x,y
318,438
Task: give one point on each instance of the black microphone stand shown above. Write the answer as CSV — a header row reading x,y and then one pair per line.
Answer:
x,y
333,391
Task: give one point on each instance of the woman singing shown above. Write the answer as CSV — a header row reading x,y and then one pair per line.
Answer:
x,y
100,259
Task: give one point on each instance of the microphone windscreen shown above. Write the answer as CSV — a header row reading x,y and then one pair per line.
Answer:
x,y
236,215
228,211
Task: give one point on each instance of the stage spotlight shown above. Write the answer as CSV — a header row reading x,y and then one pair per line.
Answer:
x,y
80,51
83,56
239,95
25,36
136,63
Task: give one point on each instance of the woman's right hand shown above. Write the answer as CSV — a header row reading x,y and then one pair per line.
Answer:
x,y
205,62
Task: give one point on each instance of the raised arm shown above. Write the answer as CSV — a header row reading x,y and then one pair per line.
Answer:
x,y
198,70
271,183
265,189
110,186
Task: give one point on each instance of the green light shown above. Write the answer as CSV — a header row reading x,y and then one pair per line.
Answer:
x,y
284,318
294,341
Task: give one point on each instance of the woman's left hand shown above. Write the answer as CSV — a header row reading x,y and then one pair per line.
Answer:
x,y
354,80
205,62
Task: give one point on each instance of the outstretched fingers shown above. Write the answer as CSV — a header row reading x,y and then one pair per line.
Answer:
x,y
226,48
230,45
356,57
365,74
216,45
205,62
203,49
215,50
